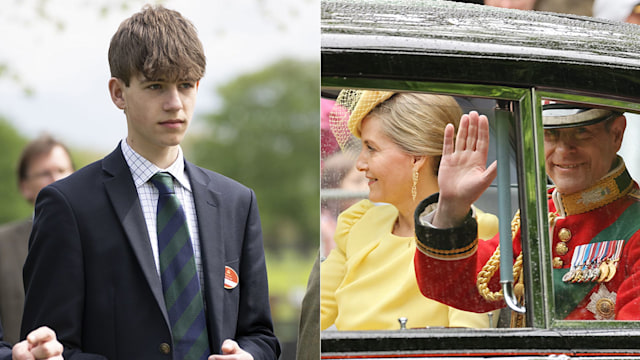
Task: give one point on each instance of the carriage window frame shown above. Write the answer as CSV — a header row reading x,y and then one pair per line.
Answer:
x,y
544,334
539,95
528,152
531,179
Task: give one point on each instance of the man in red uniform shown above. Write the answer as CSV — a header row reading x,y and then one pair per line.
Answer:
x,y
594,218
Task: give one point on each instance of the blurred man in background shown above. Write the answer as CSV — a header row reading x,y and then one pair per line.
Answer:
x,y
618,10
512,4
43,161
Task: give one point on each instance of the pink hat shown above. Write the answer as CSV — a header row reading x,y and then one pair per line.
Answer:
x,y
328,143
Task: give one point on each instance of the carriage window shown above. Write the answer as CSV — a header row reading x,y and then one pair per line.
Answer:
x,y
593,210
381,152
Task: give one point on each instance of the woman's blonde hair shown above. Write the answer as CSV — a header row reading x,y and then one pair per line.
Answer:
x,y
416,122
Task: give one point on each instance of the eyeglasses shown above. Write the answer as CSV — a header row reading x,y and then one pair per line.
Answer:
x,y
52,174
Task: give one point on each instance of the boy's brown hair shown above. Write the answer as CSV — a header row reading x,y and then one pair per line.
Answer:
x,y
159,44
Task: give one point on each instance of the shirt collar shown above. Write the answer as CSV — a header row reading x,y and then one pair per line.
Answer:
x,y
142,169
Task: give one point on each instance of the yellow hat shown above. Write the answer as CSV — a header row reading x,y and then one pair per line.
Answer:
x,y
350,108
368,101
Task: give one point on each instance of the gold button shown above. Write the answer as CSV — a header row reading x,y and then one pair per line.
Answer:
x,y
564,234
165,349
561,248
557,262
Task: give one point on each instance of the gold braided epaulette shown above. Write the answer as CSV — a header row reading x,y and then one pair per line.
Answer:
x,y
493,264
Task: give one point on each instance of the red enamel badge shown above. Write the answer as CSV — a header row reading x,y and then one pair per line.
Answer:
x,y
230,278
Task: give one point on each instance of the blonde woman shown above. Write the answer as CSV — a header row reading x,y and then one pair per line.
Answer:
x,y
368,280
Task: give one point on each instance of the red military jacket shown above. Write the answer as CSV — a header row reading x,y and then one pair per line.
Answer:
x,y
591,224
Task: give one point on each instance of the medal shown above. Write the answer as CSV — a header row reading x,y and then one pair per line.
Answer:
x,y
589,262
612,270
569,275
594,267
604,272
612,262
578,276
590,273
603,268
594,262
606,269
575,258
582,264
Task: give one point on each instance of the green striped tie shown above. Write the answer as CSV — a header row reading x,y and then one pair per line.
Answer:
x,y
180,282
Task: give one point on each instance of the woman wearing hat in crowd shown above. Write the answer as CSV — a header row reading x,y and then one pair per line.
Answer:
x,y
368,281
593,207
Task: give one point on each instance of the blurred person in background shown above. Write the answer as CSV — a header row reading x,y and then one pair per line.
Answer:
x,y
328,143
308,344
576,7
512,4
624,11
43,161
339,173
617,10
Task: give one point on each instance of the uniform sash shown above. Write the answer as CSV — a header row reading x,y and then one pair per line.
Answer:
x,y
569,295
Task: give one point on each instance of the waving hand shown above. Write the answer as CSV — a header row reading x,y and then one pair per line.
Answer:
x,y
463,175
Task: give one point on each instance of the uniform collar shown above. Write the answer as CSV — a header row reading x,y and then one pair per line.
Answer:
x,y
613,186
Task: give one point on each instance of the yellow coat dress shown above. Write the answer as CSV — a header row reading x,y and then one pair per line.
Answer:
x,y
368,281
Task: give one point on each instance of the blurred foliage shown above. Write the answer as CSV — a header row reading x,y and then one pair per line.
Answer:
x,y
288,272
82,157
24,14
128,6
266,135
14,207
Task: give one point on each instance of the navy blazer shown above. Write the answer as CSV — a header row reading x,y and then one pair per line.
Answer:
x,y
90,273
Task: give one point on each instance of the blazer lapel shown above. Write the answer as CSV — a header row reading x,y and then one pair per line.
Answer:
x,y
124,198
212,250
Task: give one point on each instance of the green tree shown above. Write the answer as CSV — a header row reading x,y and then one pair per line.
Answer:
x,y
14,206
266,135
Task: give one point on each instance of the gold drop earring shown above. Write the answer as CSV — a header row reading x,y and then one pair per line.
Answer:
x,y
414,187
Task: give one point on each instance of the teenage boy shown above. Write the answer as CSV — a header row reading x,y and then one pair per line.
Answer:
x,y
143,255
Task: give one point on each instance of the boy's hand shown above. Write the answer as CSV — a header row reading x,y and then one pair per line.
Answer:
x,y
231,351
40,344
